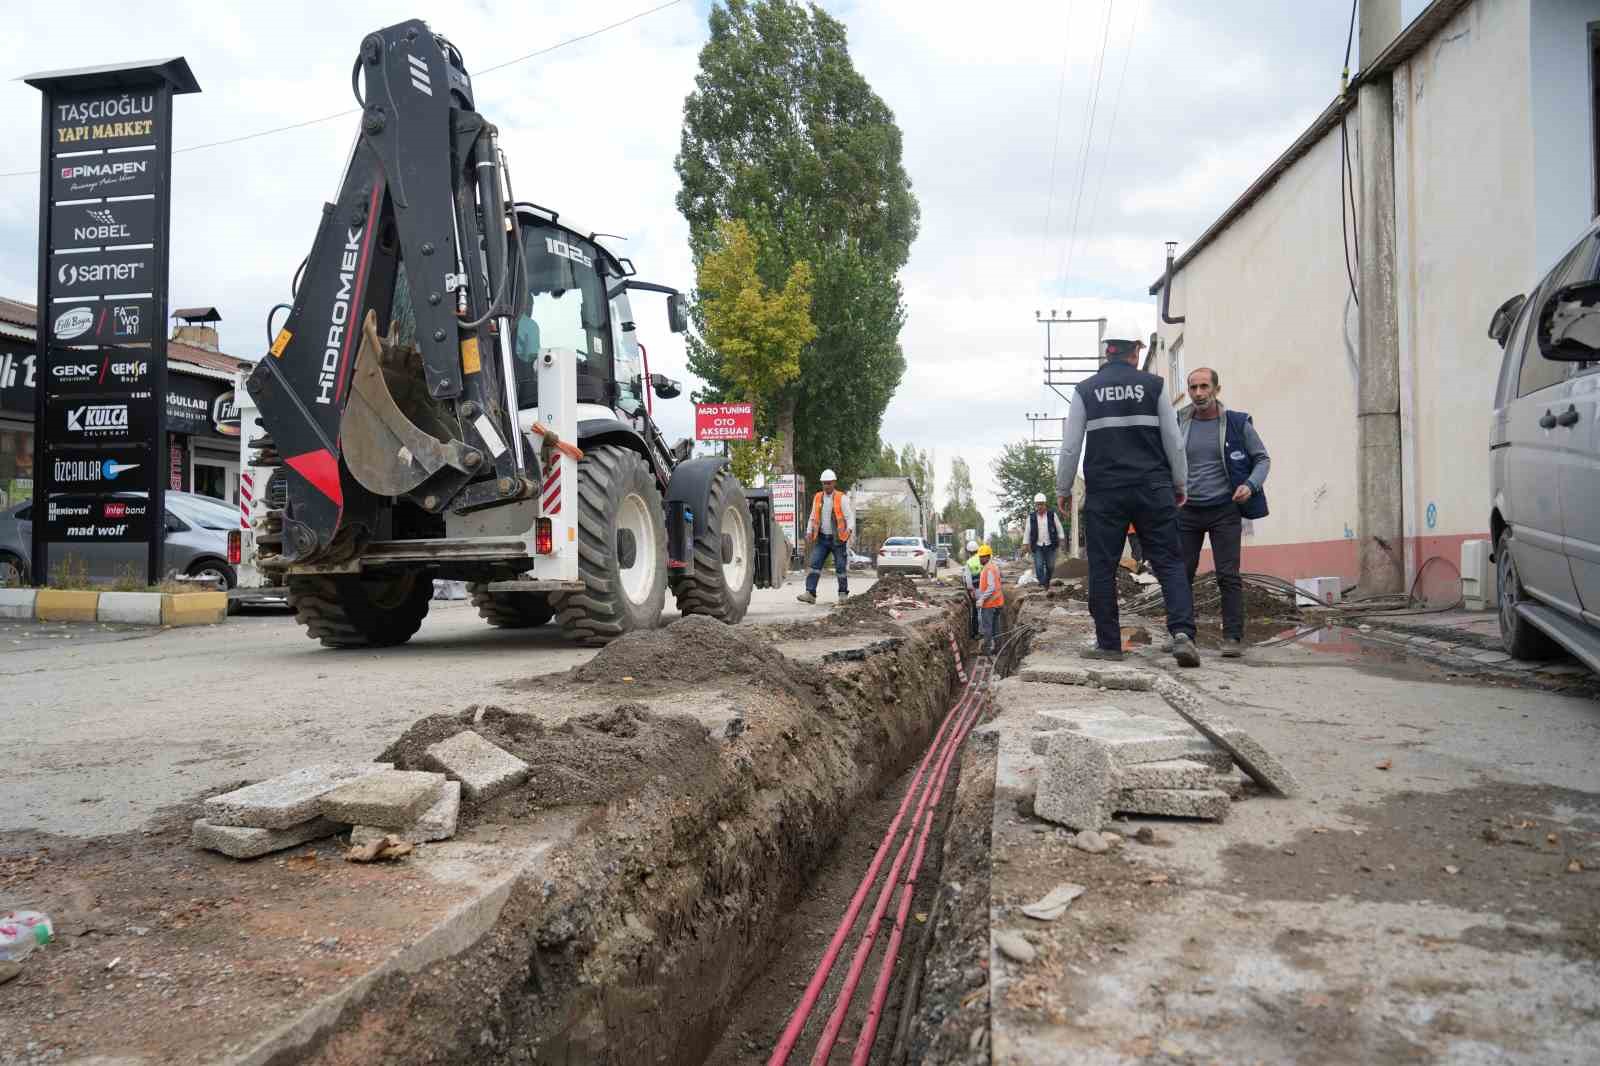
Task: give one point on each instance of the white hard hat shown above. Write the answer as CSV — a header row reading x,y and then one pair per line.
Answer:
x,y
1127,331
1038,497
829,475
972,545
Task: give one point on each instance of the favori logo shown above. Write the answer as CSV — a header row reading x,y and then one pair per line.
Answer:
x,y
74,323
98,419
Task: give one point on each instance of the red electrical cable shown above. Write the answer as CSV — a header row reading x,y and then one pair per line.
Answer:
x,y
869,935
808,1001
880,991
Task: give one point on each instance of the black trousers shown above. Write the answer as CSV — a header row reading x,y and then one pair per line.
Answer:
x,y
1222,522
1153,511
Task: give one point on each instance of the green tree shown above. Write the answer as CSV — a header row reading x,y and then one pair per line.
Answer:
x,y
961,510
753,459
783,134
755,330
1021,471
886,464
918,466
877,522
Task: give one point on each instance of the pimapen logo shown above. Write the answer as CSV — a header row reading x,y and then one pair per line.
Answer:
x,y
74,323
93,177
99,419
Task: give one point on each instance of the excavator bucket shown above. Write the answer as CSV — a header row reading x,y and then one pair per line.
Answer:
x,y
385,450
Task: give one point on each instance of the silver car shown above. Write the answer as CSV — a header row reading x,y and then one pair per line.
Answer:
x,y
197,542
1544,449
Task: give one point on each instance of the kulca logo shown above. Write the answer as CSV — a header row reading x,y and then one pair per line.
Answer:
x,y
99,419
74,323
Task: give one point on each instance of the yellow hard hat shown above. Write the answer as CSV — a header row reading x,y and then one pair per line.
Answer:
x,y
984,551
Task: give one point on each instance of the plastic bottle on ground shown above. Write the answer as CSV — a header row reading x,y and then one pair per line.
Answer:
x,y
21,932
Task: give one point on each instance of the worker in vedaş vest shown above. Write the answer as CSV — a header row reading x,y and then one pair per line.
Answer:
x,y
1134,470
990,599
832,520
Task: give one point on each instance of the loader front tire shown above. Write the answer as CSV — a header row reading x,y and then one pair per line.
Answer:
x,y
724,556
622,549
511,610
350,611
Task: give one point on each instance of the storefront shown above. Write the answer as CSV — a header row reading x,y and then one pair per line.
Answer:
x,y
202,419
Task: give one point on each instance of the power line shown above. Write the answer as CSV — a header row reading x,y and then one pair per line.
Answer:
x,y
1088,144
1055,146
355,110
1111,130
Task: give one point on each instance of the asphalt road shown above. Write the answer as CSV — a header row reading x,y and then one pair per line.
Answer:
x,y
101,726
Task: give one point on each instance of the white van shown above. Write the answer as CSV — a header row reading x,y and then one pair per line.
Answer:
x,y
1544,456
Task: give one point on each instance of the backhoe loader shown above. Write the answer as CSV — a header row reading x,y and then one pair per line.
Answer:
x,y
458,391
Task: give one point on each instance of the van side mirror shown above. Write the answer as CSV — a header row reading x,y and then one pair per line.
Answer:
x,y
677,313
1569,324
1504,317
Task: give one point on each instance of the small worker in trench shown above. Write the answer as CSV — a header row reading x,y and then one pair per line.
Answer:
x,y
1134,470
991,600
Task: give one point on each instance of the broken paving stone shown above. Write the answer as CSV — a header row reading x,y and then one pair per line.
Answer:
x,y
484,770
246,842
437,822
392,799
1014,947
287,799
1168,773
1252,758
1055,902
1090,841
1174,802
1075,782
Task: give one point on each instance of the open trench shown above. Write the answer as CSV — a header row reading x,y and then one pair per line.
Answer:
x,y
681,922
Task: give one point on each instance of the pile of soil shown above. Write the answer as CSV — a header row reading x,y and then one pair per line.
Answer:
x,y
1070,569
694,650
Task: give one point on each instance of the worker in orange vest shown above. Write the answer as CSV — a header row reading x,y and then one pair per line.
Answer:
x,y
990,599
831,521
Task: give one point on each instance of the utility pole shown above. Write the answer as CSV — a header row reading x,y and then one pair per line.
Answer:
x,y
1068,370
1380,552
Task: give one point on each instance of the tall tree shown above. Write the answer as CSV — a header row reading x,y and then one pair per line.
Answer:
x,y
1021,471
885,464
918,466
757,331
961,509
785,135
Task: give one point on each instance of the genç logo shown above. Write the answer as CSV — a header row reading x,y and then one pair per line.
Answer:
x,y
74,323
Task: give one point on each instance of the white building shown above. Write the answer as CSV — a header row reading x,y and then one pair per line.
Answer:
x,y
1495,163
897,492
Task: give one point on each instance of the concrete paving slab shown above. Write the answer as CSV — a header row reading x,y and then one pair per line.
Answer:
x,y
17,603
1253,758
1168,773
133,608
437,822
484,770
392,799
243,842
287,800
1076,781
1207,803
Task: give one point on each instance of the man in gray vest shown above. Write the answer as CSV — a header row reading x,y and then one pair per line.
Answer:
x,y
1134,471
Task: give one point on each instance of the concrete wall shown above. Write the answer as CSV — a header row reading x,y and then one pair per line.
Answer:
x,y
1493,182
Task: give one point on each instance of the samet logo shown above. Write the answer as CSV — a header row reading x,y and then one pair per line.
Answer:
x,y
98,419
74,323
90,273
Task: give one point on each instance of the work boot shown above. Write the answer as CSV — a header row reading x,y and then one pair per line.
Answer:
x,y
1110,655
1184,651
807,597
1232,648
843,596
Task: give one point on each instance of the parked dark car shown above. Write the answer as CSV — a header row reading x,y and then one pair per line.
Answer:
x,y
196,545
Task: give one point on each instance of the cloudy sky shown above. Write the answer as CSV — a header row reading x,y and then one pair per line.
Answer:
x,y
1021,210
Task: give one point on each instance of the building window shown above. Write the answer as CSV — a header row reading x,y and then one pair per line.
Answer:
x,y
1180,380
16,464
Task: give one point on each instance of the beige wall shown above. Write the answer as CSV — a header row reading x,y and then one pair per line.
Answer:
x,y
1268,301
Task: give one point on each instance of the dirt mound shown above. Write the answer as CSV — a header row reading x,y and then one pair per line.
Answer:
x,y
689,651
592,758
1068,569
892,587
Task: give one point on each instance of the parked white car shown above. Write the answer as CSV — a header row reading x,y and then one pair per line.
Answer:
x,y
1544,461
906,555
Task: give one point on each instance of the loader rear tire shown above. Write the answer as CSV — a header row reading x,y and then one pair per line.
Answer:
x,y
724,556
361,612
511,610
622,549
